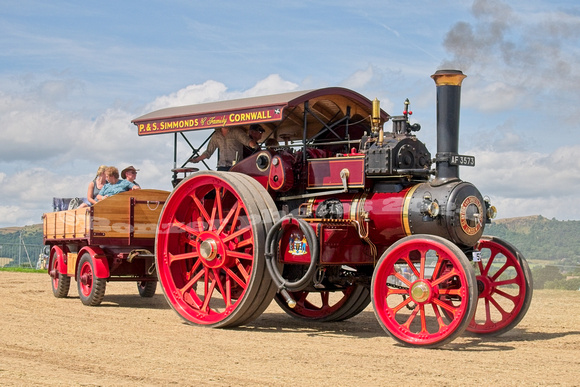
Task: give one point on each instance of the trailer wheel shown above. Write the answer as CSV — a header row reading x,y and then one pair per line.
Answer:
x,y
504,281
210,249
147,288
60,281
327,306
91,289
418,308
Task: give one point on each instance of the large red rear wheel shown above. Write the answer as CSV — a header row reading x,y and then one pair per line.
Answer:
x,y
504,281
210,249
327,306
423,291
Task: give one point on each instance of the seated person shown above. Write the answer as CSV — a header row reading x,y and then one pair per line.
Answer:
x,y
114,184
95,187
130,173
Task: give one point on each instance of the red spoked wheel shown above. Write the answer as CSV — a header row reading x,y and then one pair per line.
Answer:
x,y
210,249
327,306
60,281
91,289
504,281
423,291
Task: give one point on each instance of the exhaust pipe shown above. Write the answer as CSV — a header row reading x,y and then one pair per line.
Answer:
x,y
448,84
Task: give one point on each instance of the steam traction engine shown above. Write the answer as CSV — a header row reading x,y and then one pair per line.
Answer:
x,y
338,214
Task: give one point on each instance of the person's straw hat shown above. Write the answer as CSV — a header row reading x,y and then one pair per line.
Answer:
x,y
129,168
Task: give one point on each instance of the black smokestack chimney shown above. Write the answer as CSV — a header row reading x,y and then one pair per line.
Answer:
x,y
448,100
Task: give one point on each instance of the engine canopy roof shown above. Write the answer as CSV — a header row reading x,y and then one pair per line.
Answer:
x,y
282,114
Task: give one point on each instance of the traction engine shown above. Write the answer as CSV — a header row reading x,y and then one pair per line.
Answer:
x,y
350,215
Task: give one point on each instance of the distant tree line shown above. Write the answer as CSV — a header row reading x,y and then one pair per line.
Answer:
x,y
540,240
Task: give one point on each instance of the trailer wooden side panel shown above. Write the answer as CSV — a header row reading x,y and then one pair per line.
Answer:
x,y
71,224
129,215
126,218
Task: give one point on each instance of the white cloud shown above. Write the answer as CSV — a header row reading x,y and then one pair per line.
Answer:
x,y
211,91
495,96
529,183
359,79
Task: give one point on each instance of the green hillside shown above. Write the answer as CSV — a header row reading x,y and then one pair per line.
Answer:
x,y
30,234
542,240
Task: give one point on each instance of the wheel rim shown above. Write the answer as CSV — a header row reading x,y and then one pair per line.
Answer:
x,y
423,291
316,305
86,279
206,247
504,290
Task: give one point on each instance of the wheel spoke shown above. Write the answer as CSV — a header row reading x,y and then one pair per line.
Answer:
x,y
243,270
444,277
447,306
202,211
236,234
186,228
183,256
226,294
423,319
402,278
233,213
489,262
236,278
450,292
438,316
412,267
501,270
404,303
325,298
398,291
498,307
506,295
407,323
506,282
240,255
422,267
208,293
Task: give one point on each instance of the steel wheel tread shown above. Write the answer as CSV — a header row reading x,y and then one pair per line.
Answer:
x,y
195,190
270,216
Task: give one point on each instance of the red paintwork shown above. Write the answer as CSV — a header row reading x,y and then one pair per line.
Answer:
x,y
60,256
100,261
325,173
281,176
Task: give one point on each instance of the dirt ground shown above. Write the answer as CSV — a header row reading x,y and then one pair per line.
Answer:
x,y
133,341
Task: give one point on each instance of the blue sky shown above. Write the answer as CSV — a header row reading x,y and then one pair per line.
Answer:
x,y
74,74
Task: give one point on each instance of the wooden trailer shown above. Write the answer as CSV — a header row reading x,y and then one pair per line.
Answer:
x,y
110,241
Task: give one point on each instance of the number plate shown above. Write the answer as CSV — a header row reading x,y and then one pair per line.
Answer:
x,y
462,160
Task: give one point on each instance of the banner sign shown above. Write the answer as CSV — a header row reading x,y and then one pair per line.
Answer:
x,y
210,120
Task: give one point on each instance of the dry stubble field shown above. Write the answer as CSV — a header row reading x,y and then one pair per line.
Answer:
x,y
133,341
